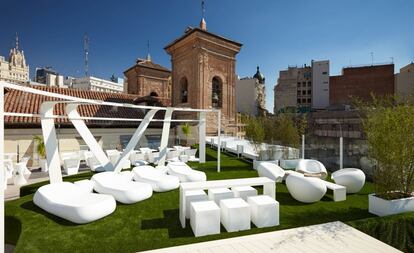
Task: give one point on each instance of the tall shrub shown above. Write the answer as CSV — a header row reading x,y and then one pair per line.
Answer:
x,y
389,129
255,131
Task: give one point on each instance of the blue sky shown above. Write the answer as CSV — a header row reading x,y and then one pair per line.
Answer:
x,y
274,33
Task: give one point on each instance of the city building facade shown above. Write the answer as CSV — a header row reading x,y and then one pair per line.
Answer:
x,y
49,77
250,95
302,88
404,82
204,74
94,84
147,78
361,82
15,69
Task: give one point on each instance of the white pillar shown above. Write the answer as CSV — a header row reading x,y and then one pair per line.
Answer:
x,y
303,146
165,136
202,137
87,136
135,139
218,139
341,153
2,168
50,140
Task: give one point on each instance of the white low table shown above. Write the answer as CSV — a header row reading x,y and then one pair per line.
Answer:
x,y
269,188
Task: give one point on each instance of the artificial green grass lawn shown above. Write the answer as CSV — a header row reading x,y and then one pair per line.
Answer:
x,y
154,223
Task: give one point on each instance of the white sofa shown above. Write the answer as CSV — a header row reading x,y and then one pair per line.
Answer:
x,y
121,186
72,203
305,189
159,181
71,165
353,179
271,170
312,168
185,173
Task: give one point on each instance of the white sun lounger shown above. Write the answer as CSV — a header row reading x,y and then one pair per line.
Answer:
x,y
71,202
159,181
185,173
121,186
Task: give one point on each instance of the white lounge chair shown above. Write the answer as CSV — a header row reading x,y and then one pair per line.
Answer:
x,y
94,164
312,168
159,181
353,179
185,173
121,187
114,157
72,203
173,156
271,170
305,189
71,166
191,153
19,174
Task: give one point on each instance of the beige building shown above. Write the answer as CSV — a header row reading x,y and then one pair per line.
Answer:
x,y
204,74
94,84
250,95
404,81
15,69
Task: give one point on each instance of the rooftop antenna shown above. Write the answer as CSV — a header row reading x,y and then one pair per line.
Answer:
x,y
86,53
372,58
148,51
392,59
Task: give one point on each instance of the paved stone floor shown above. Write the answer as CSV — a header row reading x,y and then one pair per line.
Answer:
x,y
328,237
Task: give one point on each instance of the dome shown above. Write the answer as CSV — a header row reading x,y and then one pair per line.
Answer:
x,y
259,76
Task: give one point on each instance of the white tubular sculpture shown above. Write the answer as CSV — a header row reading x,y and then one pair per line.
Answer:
x,y
312,168
352,179
305,189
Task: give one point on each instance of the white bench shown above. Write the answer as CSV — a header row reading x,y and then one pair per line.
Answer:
x,y
339,191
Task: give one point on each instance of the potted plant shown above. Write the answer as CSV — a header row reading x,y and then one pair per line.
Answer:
x,y
186,130
41,151
389,131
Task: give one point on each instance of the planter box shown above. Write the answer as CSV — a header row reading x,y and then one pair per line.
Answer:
x,y
256,163
383,207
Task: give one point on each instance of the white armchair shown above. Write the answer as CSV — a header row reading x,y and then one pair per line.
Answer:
x,y
137,159
71,165
270,170
191,153
312,168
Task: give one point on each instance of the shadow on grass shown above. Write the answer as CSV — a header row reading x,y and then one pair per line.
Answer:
x,y
171,222
29,205
14,229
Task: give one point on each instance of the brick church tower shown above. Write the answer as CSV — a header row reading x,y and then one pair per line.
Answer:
x,y
204,74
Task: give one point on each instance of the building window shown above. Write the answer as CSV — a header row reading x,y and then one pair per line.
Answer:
x,y
299,92
153,94
298,83
216,96
304,92
324,73
303,100
298,100
184,90
309,100
309,92
309,84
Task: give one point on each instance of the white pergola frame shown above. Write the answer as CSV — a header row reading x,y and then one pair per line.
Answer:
x,y
72,103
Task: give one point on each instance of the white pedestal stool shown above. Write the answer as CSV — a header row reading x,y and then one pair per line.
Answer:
x,y
264,211
218,194
193,196
205,218
244,192
235,214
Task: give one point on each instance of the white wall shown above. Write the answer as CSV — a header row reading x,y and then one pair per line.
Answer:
x,y
320,84
246,97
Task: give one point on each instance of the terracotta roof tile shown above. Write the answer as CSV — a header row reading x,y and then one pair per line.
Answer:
x,y
24,102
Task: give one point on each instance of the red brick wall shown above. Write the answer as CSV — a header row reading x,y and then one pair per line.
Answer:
x,y
361,82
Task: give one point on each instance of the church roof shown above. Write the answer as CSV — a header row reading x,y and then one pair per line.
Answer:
x,y
191,30
259,76
148,64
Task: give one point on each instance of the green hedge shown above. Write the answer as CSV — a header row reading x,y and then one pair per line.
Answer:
x,y
396,230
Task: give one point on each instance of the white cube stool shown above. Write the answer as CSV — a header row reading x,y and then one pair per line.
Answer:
x,y
235,214
264,211
218,194
244,192
205,218
85,184
193,196
184,158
